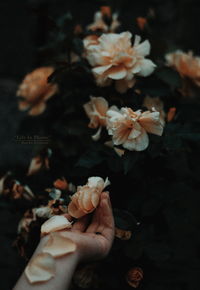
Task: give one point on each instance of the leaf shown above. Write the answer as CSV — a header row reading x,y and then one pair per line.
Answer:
x,y
124,219
64,19
158,251
151,206
170,77
129,160
77,45
90,159
114,163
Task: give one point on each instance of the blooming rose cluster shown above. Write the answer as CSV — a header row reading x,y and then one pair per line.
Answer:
x,y
127,127
186,64
113,58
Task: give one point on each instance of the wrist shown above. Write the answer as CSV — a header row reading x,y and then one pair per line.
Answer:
x,y
75,256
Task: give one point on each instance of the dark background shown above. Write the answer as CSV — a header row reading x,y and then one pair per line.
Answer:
x,y
24,27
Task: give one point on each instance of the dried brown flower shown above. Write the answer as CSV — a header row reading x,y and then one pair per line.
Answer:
x,y
122,234
134,277
61,183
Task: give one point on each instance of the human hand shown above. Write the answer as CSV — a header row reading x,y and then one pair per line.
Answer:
x,y
94,239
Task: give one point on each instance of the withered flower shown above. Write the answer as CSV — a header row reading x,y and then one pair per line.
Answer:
x,y
61,183
86,277
122,234
134,277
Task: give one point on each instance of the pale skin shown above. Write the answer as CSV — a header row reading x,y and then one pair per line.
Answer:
x,y
90,246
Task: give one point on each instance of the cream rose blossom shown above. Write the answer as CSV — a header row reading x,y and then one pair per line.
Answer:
x,y
87,197
113,58
186,64
96,111
129,128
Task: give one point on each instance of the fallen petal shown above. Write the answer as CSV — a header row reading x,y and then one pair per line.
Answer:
x,y
55,223
41,268
58,245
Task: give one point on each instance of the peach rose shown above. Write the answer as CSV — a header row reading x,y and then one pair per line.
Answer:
x,y
129,128
113,58
100,24
87,197
96,111
35,90
186,64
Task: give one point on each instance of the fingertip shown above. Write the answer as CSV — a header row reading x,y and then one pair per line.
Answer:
x,y
105,195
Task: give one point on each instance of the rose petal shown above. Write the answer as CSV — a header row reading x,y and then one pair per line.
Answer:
x,y
101,69
117,73
120,152
43,212
95,181
138,144
147,67
150,121
74,211
97,135
41,268
143,48
37,109
85,201
95,199
23,105
55,223
58,245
